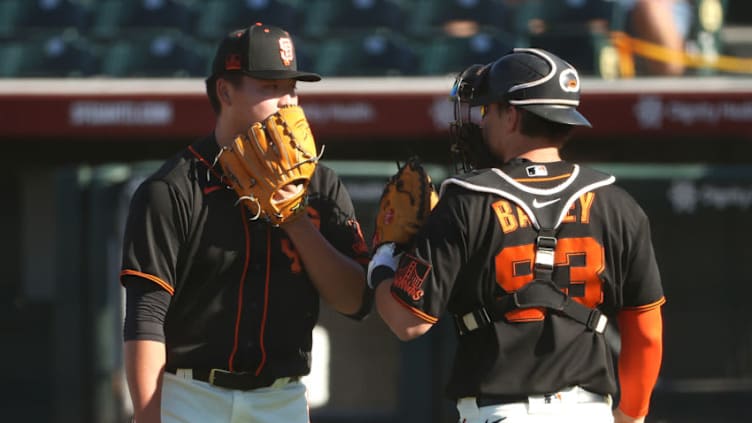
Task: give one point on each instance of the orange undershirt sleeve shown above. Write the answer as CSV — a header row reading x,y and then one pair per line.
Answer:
x,y
640,358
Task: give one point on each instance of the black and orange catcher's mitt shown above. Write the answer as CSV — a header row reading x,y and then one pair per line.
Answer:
x,y
407,199
274,157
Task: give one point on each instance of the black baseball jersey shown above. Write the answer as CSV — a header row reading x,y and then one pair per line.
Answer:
x,y
241,299
477,246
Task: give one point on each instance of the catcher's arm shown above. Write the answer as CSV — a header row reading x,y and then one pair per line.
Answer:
x,y
404,324
639,361
406,201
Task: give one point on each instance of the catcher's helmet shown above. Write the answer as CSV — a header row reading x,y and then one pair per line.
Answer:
x,y
532,79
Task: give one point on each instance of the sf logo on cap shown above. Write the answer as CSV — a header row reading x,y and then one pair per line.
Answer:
x,y
286,51
569,81
232,62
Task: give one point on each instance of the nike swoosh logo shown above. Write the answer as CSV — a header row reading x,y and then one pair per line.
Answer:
x,y
497,421
538,204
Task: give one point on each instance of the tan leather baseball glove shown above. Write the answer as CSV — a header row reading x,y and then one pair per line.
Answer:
x,y
271,165
407,199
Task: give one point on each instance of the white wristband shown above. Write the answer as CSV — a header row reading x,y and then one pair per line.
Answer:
x,y
383,264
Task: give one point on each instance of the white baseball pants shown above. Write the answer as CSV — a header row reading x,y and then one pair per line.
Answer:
x,y
185,400
573,405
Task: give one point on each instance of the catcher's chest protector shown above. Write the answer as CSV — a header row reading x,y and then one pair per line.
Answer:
x,y
546,209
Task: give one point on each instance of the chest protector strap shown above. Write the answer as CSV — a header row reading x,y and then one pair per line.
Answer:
x,y
546,208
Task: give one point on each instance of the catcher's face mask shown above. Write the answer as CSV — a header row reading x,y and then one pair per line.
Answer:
x,y
468,149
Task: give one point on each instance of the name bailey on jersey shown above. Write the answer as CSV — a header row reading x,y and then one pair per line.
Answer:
x,y
512,217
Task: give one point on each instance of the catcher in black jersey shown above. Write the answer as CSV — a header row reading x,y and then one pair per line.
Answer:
x,y
223,289
535,258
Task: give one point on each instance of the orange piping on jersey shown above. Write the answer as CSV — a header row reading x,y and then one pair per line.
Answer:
x,y
209,190
152,278
647,307
553,178
230,365
423,316
266,299
207,164
640,358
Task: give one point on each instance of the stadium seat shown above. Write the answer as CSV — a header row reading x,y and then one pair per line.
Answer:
x,y
156,54
218,17
705,34
447,54
580,10
576,30
55,14
11,51
591,53
428,15
55,54
366,53
10,15
337,17
108,17
174,14
568,14
119,18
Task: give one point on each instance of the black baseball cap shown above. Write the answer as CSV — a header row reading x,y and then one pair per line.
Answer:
x,y
260,51
535,80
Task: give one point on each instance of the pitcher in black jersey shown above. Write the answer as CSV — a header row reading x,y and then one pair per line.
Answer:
x,y
221,305
535,258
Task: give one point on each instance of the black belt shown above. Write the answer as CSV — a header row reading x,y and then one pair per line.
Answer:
x,y
490,400
242,381
486,400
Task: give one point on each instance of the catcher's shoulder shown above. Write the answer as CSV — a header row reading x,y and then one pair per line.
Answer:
x,y
471,176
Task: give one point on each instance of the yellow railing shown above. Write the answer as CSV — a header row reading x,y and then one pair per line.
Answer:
x,y
627,47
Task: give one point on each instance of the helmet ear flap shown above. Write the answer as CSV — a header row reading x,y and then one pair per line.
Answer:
x,y
468,83
467,88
